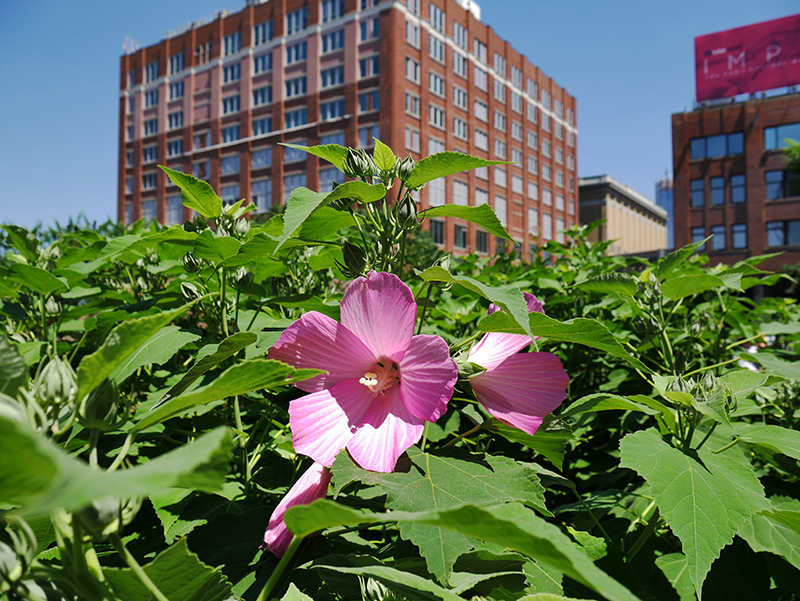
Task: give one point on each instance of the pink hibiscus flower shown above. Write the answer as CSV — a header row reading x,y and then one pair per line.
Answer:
x,y
383,383
519,389
312,485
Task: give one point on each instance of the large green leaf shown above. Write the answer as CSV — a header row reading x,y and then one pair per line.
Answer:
x,y
37,279
743,382
676,569
13,370
333,153
676,258
24,241
686,285
122,342
242,378
303,202
224,350
178,573
580,330
445,163
383,156
157,350
509,299
550,440
482,215
295,594
620,283
768,531
786,369
41,477
604,401
215,248
512,525
704,497
196,194
410,586
774,438
426,482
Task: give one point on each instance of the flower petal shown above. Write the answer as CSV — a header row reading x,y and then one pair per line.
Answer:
x,y
427,377
381,311
324,421
495,347
522,389
312,485
387,431
316,341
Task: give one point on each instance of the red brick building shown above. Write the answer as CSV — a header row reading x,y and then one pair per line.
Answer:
x,y
214,98
731,179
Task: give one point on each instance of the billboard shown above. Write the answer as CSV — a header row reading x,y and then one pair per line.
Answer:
x,y
748,59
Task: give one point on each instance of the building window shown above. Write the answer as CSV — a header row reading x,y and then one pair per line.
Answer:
x,y
499,148
718,241
151,72
436,15
332,77
175,147
333,41
460,35
231,104
291,183
201,170
481,197
560,156
499,121
460,193
129,158
481,242
229,164
739,235
262,63
149,210
229,194
296,53
230,134
296,87
516,156
174,210
533,221
459,98
232,72
716,146
412,139
546,148
148,181
262,33
717,190
131,104
131,81
499,91
296,21
698,234
150,127
436,49
533,191
436,84
479,49
501,210
460,130
516,184
412,104
533,165
150,98
412,34
547,226
412,70
232,43
150,154
698,193
335,138
481,140
176,120
327,177
413,6
202,53
436,192
370,29
436,116
559,230
129,184
547,172
545,99
516,130
459,64
262,96
560,179
331,110
369,101
481,79
261,158
201,140
367,134
781,184
775,137
332,9
547,197
533,141
500,177
437,231
435,146
738,189
460,237
570,162
176,90
532,113
481,111
292,155
261,194
559,202
369,67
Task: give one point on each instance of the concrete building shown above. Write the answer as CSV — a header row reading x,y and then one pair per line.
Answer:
x,y
635,223
665,201
731,179
215,97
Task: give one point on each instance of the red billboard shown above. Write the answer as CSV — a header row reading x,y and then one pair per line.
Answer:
x,y
748,59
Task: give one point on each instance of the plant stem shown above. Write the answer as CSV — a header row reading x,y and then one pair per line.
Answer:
x,y
707,436
593,516
424,307
94,436
726,447
637,546
273,579
119,546
424,437
223,302
123,452
465,434
702,369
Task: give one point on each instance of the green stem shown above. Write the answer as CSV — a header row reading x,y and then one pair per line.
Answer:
x,y
94,436
726,447
637,546
119,546
424,437
465,434
273,579
223,302
593,516
707,436
75,350
424,308
702,369
44,319
402,255
123,452
463,343
236,314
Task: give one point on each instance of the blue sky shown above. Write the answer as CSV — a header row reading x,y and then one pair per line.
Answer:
x,y
629,63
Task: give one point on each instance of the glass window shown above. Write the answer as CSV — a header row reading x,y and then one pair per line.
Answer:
x,y
717,190
739,235
460,237
261,158
291,183
775,233
718,239
500,208
775,186
715,146
698,193
775,137
229,194
698,233
547,226
437,231
460,193
174,209
436,192
291,155
327,177
229,164
335,138
149,210
738,189
736,143
481,242
261,194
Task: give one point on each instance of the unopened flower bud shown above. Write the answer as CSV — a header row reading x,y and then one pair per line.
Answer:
x,y
444,263
358,164
108,515
99,409
52,307
404,167
189,291
241,279
189,263
355,259
407,213
242,227
57,383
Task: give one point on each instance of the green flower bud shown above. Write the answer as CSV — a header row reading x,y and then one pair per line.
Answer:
x,y
52,307
11,568
404,167
189,263
57,383
189,291
242,227
241,279
99,409
108,515
355,260
358,164
444,263
406,213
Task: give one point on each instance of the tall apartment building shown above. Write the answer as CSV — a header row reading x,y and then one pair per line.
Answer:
x,y
665,201
731,179
215,98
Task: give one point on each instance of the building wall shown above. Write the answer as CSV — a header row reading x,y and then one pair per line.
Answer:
x,y
750,118
204,91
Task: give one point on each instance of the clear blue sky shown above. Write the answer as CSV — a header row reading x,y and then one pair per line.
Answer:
x,y
629,63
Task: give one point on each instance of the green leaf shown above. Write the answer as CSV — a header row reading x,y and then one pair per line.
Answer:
x,y
580,330
178,574
686,285
743,382
454,477
605,402
157,350
509,299
37,279
13,370
122,342
482,215
620,283
445,163
225,349
774,438
511,525
215,248
676,258
383,156
333,153
705,498
550,440
778,328
676,569
410,586
196,194
294,594
242,378
303,202
786,369
715,407
43,477
548,597
24,241
768,531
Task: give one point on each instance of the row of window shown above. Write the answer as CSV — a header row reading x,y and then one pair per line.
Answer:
x,y
438,234
719,240
779,183
733,144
